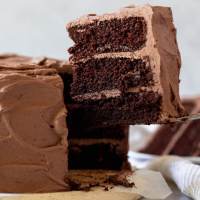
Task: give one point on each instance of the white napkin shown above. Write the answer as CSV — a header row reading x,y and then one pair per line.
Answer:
x,y
185,174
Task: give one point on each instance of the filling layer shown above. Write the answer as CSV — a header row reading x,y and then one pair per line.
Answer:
x,y
120,73
115,35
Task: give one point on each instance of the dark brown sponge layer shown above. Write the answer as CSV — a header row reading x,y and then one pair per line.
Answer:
x,y
120,73
117,132
131,108
97,156
115,35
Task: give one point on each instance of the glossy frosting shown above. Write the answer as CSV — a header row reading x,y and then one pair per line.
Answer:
x,y
33,132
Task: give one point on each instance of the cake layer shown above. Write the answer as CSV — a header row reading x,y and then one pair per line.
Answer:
x,y
181,139
132,108
33,133
98,153
107,73
75,131
112,35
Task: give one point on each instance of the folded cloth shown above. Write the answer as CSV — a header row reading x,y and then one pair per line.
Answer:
x,y
185,174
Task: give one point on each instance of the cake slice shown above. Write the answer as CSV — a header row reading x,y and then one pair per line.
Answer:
x,y
33,132
181,139
126,66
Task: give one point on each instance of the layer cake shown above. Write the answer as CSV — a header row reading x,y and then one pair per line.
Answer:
x,y
181,139
100,148
126,66
33,132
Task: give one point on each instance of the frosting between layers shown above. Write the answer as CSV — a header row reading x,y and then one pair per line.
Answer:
x,y
33,133
98,95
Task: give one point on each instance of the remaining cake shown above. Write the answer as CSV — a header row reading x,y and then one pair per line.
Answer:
x,y
103,148
178,139
33,132
126,66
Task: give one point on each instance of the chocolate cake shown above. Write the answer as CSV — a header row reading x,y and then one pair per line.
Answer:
x,y
33,132
126,67
103,148
181,139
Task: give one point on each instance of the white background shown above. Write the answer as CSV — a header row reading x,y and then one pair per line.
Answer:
x,y
37,27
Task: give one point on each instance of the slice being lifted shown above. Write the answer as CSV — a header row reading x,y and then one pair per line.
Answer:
x,y
126,66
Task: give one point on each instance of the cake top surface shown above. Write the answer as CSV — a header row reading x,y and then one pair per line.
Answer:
x,y
122,13
16,62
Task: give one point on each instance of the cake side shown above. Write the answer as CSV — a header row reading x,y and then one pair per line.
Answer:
x,y
33,132
89,148
139,82
170,62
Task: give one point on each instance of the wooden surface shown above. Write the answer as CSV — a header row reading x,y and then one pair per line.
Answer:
x,y
98,195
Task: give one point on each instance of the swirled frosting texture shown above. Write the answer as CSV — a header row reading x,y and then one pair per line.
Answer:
x,y
33,132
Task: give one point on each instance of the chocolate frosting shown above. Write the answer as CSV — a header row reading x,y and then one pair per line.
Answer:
x,y
33,132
